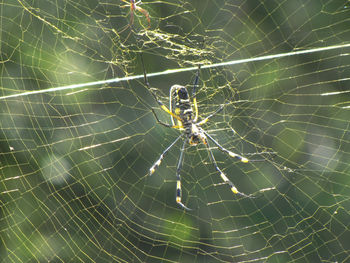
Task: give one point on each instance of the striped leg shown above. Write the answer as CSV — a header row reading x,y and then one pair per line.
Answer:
x,y
205,120
158,162
232,154
194,93
163,123
162,106
223,176
178,178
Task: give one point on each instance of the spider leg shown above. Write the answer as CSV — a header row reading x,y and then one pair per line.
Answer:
x,y
195,84
232,154
205,120
165,124
131,17
145,13
130,5
162,106
158,162
223,176
159,121
178,178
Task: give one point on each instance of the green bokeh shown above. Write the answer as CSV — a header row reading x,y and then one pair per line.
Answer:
x,y
74,163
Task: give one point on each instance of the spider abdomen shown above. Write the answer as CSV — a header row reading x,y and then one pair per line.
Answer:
x,y
180,103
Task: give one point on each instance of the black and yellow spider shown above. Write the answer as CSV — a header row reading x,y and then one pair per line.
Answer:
x,y
181,110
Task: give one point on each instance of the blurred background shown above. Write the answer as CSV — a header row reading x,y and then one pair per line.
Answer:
x,y
74,163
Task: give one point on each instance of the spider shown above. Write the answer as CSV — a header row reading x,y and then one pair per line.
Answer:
x,y
133,8
186,115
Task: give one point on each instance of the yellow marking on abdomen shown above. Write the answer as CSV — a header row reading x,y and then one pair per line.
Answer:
x,y
178,185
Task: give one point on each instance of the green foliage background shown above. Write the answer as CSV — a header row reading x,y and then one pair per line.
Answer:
x,y
73,163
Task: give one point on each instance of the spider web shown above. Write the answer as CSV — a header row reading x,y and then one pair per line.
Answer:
x,y
77,141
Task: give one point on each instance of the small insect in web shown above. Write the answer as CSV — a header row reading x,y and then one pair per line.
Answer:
x,y
185,113
133,8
